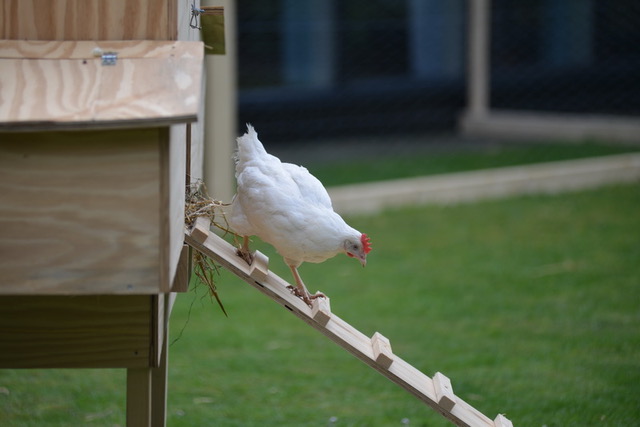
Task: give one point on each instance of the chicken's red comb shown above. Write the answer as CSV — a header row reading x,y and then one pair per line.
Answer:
x,y
366,243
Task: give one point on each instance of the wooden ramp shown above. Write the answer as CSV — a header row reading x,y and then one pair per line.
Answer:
x,y
375,351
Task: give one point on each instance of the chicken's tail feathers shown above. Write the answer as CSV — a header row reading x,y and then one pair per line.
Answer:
x,y
249,146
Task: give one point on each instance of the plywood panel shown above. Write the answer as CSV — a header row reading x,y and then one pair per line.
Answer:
x,y
80,212
76,332
161,87
89,19
173,167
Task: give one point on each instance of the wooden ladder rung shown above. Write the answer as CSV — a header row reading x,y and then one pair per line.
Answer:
x,y
201,228
444,391
321,310
259,268
382,350
502,421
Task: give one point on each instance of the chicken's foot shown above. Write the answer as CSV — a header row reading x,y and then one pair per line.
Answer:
x,y
300,290
244,252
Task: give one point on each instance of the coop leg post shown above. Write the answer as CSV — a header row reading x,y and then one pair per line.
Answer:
x,y
139,397
159,387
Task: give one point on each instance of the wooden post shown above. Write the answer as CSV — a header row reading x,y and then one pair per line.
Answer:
x,y
220,122
478,54
160,373
139,397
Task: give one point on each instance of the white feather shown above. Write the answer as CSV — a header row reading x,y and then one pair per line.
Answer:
x,y
285,206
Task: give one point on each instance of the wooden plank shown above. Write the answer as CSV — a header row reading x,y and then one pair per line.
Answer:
x,y
382,350
75,332
415,382
82,93
89,19
342,333
80,212
183,272
444,391
172,195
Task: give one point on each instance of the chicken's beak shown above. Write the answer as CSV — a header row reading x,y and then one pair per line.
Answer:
x,y
361,257
363,260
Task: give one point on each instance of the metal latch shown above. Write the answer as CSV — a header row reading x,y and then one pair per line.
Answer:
x,y
108,58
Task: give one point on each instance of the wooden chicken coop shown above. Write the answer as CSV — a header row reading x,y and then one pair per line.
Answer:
x,y
98,108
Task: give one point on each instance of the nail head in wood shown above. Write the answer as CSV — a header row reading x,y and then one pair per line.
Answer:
x,y
382,350
259,269
201,228
444,391
321,310
502,421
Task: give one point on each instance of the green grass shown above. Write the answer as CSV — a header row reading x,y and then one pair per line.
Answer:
x,y
530,305
404,166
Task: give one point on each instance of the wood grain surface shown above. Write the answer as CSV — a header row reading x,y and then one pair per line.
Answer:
x,y
173,159
76,332
80,212
68,87
89,19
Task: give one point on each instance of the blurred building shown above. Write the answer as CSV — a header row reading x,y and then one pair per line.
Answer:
x,y
320,68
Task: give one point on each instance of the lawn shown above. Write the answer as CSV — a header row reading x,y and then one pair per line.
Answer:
x,y
530,305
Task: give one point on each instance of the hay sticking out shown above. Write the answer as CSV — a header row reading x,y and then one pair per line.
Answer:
x,y
205,270
197,204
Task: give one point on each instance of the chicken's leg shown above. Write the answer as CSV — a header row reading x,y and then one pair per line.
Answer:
x,y
244,252
301,290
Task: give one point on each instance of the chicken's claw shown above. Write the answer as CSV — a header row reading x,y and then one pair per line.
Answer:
x,y
245,255
305,296
244,252
317,295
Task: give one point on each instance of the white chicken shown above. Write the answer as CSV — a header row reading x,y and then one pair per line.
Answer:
x,y
287,207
